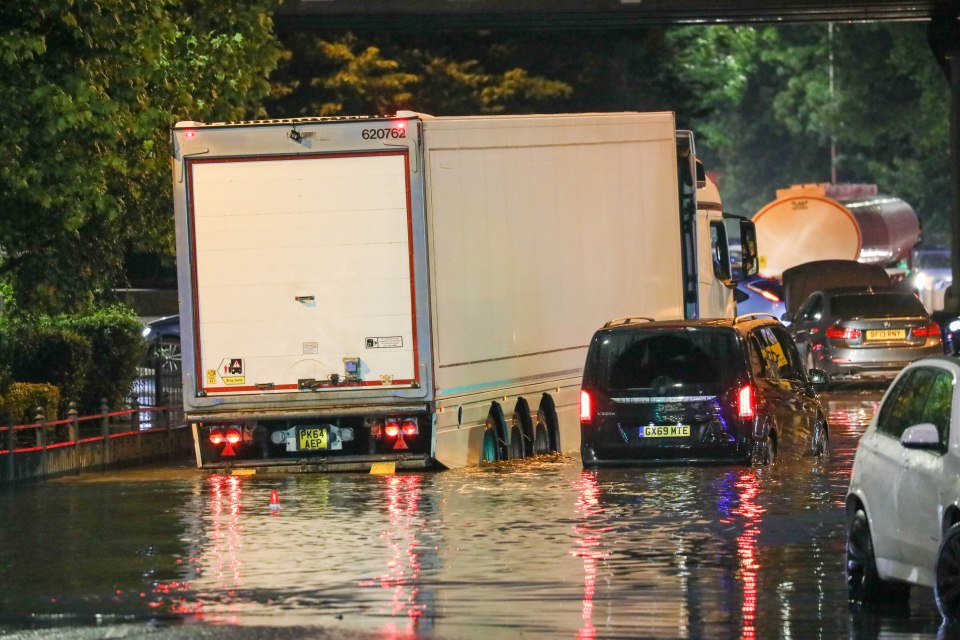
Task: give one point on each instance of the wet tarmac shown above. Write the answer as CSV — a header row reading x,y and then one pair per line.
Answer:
x,y
539,549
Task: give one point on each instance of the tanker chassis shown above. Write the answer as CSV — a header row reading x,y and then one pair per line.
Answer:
x,y
413,292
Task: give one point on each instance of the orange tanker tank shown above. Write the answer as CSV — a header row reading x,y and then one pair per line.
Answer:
x,y
834,222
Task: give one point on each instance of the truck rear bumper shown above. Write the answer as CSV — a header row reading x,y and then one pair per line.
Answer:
x,y
321,465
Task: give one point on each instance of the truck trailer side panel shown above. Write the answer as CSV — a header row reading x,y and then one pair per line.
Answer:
x,y
540,230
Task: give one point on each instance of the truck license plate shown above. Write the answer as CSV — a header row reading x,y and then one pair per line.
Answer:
x,y
886,334
665,431
312,439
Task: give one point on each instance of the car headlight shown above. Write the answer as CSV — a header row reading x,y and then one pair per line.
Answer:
x,y
954,325
146,332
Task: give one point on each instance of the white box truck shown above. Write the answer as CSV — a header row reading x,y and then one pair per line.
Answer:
x,y
382,293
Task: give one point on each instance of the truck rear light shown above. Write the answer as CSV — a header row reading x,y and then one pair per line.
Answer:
x,y
216,437
376,430
745,407
410,427
840,332
930,331
391,427
233,436
586,407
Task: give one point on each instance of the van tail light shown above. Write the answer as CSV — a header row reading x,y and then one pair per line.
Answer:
x,y
745,407
932,330
840,332
586,407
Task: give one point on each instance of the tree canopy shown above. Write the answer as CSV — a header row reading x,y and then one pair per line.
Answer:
x,y
89,92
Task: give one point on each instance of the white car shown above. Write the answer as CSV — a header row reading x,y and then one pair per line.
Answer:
x,y
903,504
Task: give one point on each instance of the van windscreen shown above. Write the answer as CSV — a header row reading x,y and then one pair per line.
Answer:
x,y
702,357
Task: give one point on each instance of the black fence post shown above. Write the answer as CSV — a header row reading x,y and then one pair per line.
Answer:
x,y
105,430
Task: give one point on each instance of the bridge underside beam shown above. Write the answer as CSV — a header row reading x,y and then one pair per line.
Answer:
x,y
577,14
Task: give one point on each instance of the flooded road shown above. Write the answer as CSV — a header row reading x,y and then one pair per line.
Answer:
x,y
541,549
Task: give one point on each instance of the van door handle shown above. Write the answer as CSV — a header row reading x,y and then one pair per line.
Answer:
x,y
304,298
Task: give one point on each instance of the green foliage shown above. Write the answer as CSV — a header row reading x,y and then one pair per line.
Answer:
x,y
342,74
117,348
89,91
773,111
88,357
19,402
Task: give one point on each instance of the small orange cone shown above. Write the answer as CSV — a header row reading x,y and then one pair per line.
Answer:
x,y
400,443
274,501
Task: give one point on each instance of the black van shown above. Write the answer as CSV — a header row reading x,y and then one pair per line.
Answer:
x,y
697,391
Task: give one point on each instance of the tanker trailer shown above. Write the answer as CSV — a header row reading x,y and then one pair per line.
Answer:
x,y
834,222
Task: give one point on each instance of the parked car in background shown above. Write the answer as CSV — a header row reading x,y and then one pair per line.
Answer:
x,y
903,502
760,295
863,332
710,391
163,334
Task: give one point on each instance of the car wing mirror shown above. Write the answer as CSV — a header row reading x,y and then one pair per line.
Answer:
x,y
818,378
921,436
787,317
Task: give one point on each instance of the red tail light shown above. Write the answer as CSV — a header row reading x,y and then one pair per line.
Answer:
x,y
586,407
216,437
840,332
233,436
745,402
929,331
409,427
391,427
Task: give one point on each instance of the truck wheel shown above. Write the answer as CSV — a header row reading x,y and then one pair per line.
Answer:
x,y
522,422
516,444
497,426
489,451
547,414
541,442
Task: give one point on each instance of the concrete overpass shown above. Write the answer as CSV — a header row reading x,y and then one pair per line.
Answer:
x,y
428,15
579,14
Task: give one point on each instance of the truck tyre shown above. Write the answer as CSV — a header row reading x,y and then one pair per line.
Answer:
x,y
547,414
497,428
522,422
516,444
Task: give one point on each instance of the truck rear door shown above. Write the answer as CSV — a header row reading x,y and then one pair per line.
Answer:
x,y
302,272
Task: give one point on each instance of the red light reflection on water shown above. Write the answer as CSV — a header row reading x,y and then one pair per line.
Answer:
x,y
588,547
402,496
749,486
225,531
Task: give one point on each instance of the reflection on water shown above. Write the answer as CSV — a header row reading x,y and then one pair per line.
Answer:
x,y
541,549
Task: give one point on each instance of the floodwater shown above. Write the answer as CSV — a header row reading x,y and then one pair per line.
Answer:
x,y
540,549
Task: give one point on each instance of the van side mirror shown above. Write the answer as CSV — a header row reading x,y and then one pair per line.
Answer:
x,y
818,378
